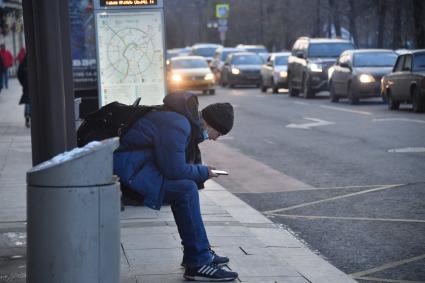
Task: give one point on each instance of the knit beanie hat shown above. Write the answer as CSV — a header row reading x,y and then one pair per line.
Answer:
x,y
219,116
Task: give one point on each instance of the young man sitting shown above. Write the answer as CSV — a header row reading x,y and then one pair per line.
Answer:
x,y
153,161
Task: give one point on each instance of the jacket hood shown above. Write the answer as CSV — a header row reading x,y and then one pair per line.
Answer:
x,y
186,104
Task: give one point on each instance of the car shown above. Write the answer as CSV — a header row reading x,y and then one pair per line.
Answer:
x,y
406,83
309,62
190,73
253,48
274,73
357,73
205,50
241,68
220,56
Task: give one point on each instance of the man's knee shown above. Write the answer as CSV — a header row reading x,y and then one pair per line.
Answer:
x,y
188,187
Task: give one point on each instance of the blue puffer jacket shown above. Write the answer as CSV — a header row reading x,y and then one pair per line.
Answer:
x,y
158,142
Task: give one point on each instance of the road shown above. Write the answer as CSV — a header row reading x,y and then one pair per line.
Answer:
x,y
347,180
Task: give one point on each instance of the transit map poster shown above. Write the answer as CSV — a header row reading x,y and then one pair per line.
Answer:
x,y
131,56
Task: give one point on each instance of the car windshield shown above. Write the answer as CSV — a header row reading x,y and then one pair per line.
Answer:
x,y
189,64
419,62
204,51
281,60
328,49
247,60
374,59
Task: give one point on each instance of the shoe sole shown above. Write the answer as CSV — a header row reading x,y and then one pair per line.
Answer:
x,y
217,264
206,279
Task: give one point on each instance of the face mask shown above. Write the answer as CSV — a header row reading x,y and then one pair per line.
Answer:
x,y
205,134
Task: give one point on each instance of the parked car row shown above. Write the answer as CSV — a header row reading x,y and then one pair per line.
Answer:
x,y
313,65
335,65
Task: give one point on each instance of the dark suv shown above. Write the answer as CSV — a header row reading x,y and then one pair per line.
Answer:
x,y
309,62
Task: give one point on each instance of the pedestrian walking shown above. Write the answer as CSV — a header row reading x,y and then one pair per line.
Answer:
x,y
7,63
25,99
21,55
152,160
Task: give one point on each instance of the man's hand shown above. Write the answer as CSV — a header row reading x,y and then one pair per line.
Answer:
x,y
210,173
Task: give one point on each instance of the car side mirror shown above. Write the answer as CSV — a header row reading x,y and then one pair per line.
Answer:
x,y
345,65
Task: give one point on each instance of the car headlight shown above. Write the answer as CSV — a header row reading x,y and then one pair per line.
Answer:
x,y
209,77
236,71
366,79
176,78
283,74
315,67
330,72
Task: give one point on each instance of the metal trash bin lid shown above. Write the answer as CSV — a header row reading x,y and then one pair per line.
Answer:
x,y
90,165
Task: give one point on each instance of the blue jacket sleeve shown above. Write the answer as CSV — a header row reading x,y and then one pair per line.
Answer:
x,y
170,152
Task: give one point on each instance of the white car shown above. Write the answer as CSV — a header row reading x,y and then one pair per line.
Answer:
x,y
274,73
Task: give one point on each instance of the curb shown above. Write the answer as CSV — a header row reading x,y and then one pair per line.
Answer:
x,y
282,243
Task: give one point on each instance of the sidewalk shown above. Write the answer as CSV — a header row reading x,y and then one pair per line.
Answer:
x,y
259,250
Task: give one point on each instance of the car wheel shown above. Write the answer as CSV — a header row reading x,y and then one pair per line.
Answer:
x,y
308,93
262,86
292,91
275,89
334,98
392,104
223,80
351,96
417,103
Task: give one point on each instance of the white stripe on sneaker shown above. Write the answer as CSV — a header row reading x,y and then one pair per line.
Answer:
x,y
212,271
202,268
207,272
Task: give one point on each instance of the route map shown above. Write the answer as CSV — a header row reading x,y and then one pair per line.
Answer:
x,y
131,57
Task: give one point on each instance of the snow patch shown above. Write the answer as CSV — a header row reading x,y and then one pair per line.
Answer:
x,y
67,155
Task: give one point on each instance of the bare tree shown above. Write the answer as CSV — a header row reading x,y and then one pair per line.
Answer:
x,y
396,15
352,16
335,17
382,10
418,15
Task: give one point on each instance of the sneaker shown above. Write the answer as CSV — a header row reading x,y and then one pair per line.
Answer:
x,y
217,260
209,272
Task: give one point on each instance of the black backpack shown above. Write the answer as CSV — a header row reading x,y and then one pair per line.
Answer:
x,y
111,120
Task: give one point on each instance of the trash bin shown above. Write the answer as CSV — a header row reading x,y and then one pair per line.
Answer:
x,y
73,206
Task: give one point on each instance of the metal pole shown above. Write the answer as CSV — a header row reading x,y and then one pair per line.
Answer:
x,y
47,36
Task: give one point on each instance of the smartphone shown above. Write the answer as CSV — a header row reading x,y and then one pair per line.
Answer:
x,y
219,172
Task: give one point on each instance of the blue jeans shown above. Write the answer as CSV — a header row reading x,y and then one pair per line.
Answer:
x,y
183,197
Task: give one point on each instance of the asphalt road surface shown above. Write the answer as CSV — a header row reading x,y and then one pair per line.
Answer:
x,y
349,180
